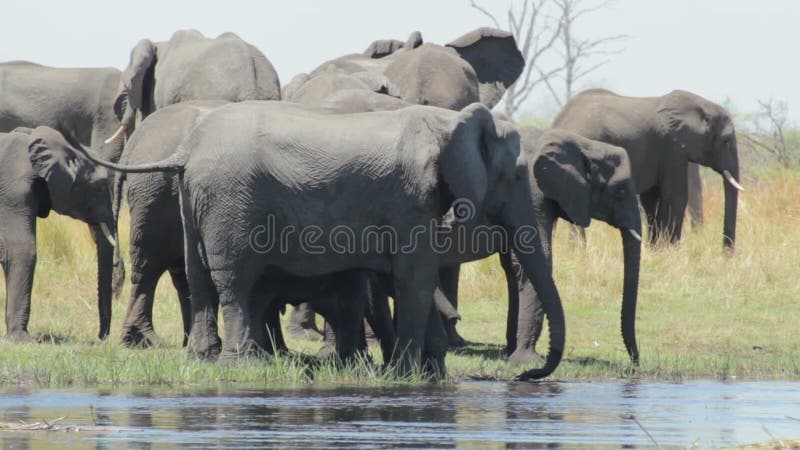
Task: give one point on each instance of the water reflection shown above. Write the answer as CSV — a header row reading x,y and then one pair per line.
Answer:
x,y
467,415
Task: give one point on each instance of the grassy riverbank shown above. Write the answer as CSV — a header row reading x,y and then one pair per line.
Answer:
x,y
701,314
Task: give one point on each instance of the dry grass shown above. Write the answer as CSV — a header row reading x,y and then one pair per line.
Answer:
x,y
701,313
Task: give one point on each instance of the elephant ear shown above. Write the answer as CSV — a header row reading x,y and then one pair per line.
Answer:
x,y
687,123
56,164
135,84
385,47
378,83
561,171
494,56
469,160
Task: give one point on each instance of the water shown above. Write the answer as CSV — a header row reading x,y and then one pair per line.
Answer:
x,y
478,415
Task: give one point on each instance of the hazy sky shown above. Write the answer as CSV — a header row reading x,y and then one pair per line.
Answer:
x,y
741,49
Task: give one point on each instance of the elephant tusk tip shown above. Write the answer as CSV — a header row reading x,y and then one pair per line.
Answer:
x,y
107,233
116,135
729,178
635,234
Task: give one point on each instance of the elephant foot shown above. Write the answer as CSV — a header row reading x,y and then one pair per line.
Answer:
x,y
454,340
18,336
208,353
526,356
133,337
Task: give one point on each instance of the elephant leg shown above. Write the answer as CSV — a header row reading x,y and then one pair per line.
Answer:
x,y
414,283
234,292
670,217
526,317
695,200
435,348
303,323
204,341
379,316
272,324
650,204
19,267
446,299
178,275
137,329
351,302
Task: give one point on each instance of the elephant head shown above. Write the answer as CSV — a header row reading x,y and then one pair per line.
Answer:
x,y
72,185
481,162
136,85
587,180
704,131
478,66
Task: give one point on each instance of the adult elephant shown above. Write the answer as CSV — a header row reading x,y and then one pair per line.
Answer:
x,y
308,171
157,242
156,232
39,172
79,104
191,66
476,67
662,135
575,179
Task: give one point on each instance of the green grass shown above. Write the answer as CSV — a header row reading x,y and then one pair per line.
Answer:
x,y
701,314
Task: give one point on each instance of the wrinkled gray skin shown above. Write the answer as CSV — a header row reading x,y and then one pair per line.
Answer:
x,y
79,104
157,239
662,135
477,67
40,172
575,179
275,165
156,232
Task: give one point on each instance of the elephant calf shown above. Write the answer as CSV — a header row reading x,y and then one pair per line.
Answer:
x,y
39,172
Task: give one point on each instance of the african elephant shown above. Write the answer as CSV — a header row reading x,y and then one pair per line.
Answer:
x,y
477,67
39,172
256,168
79,104
662,135
157,235
191,66
156,232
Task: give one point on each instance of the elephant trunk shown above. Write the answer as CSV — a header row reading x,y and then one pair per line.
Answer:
x,y
119,264
537,270
731,199
631,248
105,256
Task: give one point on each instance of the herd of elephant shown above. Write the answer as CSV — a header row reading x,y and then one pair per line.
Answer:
x,y
215,156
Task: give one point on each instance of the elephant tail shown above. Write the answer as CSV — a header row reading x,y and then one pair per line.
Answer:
x,y
174,163
119,264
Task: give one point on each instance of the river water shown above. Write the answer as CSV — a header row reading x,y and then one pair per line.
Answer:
x,y
464,415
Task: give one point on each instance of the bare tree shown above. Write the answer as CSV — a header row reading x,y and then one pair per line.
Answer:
x,y
545,32
580,56
769,128
536,32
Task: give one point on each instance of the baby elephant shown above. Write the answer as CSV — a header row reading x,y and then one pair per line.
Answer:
x,y
40,171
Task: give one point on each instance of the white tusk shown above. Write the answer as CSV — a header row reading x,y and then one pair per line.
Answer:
x,y
635,235
117,135
108,235
732,180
